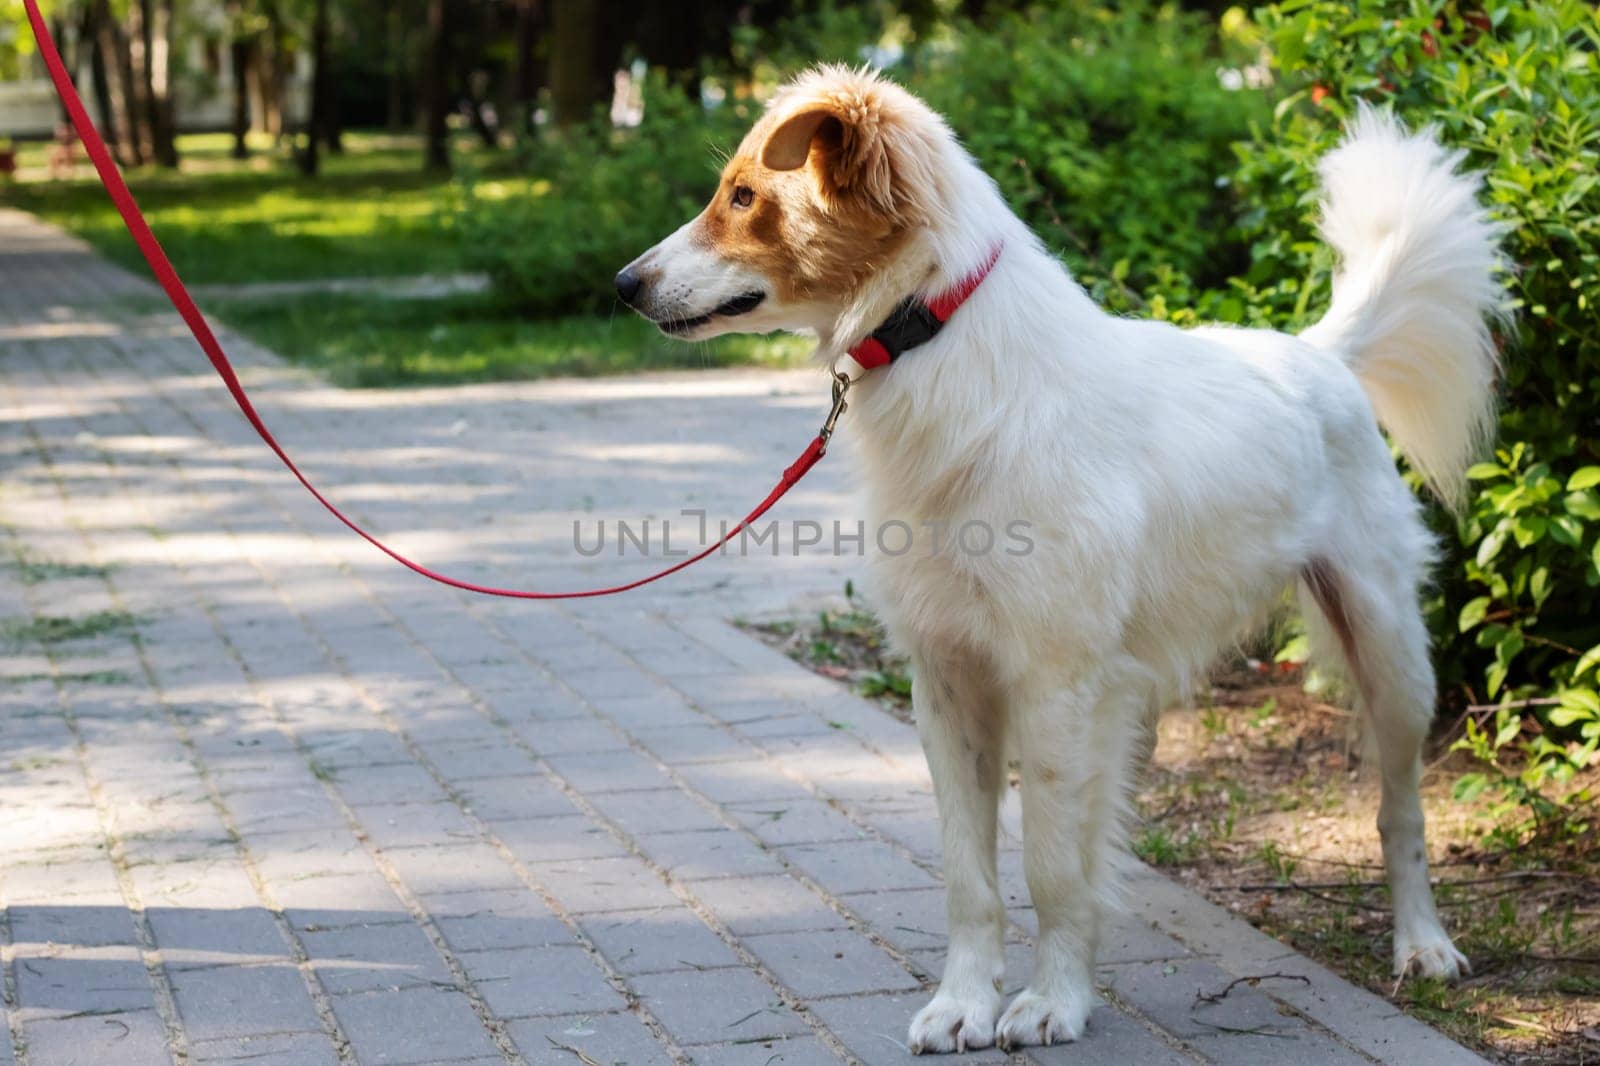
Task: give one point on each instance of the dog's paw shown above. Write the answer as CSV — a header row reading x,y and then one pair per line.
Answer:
x,y
1429,954
954,1023
1043,1020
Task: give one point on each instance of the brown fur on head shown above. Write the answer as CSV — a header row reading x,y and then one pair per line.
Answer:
x,y
825,189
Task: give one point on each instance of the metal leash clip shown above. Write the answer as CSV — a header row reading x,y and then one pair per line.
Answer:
x,y
841,386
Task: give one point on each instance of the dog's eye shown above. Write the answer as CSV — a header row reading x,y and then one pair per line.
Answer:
x,y
743,196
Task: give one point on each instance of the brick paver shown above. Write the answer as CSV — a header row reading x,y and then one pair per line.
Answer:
x,y
275,800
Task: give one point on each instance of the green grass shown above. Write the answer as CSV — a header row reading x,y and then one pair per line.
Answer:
x,y
53,629
36,571
848,645
90,677
371,212
1158,846
365,340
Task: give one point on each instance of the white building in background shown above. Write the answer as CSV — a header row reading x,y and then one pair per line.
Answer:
x,y
204,80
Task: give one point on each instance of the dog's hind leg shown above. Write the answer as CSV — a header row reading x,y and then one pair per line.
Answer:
x,y
962,726
1374,622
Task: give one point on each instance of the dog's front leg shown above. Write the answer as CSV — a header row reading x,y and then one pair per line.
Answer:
x,y
963,734
1065,774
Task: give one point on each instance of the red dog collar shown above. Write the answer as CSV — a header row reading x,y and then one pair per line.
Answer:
x,y
916,321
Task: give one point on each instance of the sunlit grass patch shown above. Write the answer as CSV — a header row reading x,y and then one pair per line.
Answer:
x,y
372,212
367,340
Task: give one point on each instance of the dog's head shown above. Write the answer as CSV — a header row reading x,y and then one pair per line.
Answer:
x,y
828,188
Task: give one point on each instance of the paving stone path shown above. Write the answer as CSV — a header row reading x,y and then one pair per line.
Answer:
x,y
267,798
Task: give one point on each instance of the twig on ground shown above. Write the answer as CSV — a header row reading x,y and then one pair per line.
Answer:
x,y
1255,1030
582,1057
914,929
1177,800
1309,890
1520,1023
1480,898
1517,875
1332,862
1301,886
1250,979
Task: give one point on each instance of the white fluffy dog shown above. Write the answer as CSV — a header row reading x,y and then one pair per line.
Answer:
x,y
1174,483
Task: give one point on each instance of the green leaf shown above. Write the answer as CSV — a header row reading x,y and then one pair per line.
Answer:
x,y
1564,529
1485,471
1494,679
1566,716
1585,477
1473,612
1510,646
1529,528
1585,504
1583,700
1469,786
1490,546
1539,585
1298,650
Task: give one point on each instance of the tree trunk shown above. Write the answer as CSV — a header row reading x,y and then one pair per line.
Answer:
x,y
71,55
976,10
163,117
240,47
139,43
119,63
91,38
317,120
528,78
333,119
677,37
435,87
579,76
394,112
326,124
270,72
239,58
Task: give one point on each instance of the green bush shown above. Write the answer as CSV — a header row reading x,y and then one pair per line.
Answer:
x,y
1107,127
596,197
1109,130
1514,83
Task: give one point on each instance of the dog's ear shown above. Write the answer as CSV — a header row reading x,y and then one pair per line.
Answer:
x,y
843,139
789,145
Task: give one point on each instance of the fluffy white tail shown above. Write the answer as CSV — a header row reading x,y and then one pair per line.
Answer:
x,y
1414,294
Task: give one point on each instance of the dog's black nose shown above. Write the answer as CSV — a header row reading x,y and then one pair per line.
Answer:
x,y
628,286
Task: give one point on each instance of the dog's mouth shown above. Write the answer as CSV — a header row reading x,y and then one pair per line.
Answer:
x,y
739,305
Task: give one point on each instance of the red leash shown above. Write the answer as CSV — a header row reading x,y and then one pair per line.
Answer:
x,y
150,248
